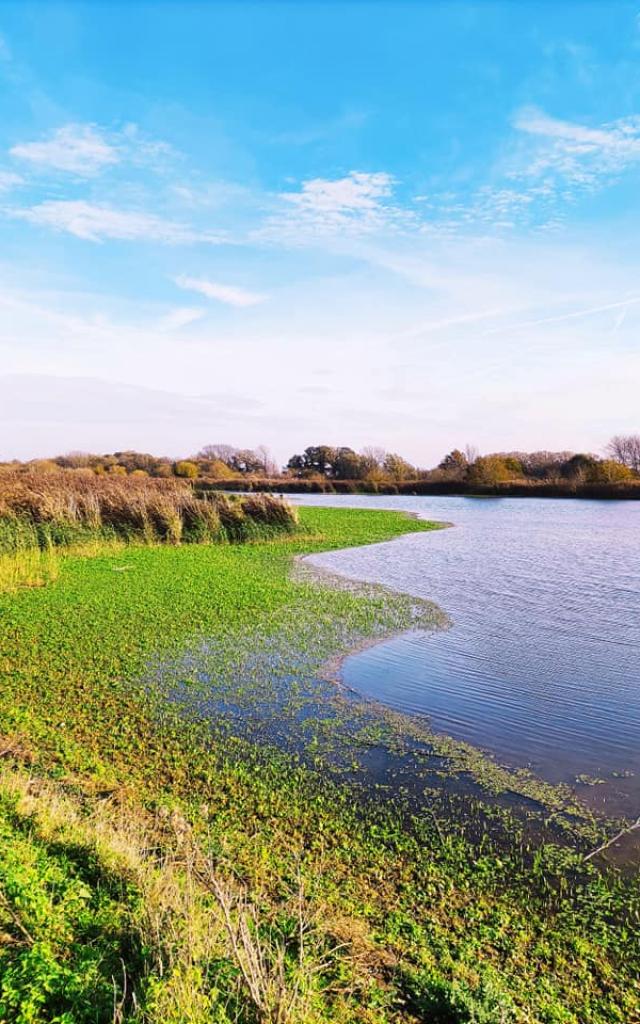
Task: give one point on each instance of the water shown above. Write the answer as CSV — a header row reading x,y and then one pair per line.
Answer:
x,y
542,662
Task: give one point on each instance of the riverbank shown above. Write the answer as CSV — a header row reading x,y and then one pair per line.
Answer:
x,y
621,491
156,845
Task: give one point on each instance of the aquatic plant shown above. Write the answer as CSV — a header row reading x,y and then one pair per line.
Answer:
x,y
188,862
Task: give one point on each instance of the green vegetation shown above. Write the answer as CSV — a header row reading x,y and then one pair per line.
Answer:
x,y
40,512
161,860
340,469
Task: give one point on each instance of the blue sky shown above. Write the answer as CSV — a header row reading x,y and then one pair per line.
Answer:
x,y
411,225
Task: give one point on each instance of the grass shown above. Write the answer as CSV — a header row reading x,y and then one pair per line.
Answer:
x,y
160,864
42,513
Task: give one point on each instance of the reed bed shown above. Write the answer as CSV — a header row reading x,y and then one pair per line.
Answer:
x,y
43,514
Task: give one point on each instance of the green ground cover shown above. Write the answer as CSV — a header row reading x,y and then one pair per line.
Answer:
x,y
162,862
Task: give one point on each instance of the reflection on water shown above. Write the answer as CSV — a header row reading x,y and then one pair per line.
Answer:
x,y
542,663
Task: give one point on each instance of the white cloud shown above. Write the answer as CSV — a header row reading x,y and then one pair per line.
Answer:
x,y
86,149
79,148
9,180
230,294
182,316
355,204
95,222
356,193
133,145
424,340
575,153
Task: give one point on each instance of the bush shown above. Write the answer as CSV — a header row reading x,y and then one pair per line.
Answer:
x,y
186,469
608,471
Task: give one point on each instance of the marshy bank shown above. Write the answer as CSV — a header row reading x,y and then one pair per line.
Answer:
x,y
542,660
257,883
42,514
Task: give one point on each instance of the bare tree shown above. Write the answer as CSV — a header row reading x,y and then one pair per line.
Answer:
x,y
471,453
625,448
269,465
222,452
374,455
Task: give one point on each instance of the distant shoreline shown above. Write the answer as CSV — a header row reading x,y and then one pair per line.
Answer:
x,y
610,492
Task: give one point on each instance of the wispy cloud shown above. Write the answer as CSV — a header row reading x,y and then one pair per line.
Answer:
x,y
180,317
357,193
87,149
356,200
9,180
574,153
95,222
229,294
78,148
549,162
358,203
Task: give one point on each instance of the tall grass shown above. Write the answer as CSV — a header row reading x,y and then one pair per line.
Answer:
x,y
43,513
141,886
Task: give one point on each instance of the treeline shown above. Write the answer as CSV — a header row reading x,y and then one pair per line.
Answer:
x,y
374,465
215,462
341,468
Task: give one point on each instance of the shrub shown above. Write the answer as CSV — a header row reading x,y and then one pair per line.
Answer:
x,y
186,469
608,471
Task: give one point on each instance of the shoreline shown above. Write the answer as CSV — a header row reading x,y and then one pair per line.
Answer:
x,y
117,787
416,488
331,671
489,772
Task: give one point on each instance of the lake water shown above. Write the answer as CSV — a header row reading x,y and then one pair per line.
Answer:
x,y
542,662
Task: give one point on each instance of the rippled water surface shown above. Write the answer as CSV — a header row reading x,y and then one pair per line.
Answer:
x,y
542,662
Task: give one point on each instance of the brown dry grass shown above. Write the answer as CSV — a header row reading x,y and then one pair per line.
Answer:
x,y
42,512
189,915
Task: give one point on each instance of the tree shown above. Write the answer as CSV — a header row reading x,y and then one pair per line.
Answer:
x,y
316,459
348,465
490,470
136,460
297,465
625,448
398,468
218,452
542,465
578,467
455,462
269,466
73,460
245,460
471,453
372,463
514,465
609,471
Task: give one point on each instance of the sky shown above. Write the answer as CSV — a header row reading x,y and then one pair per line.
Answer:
x,y
410,225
